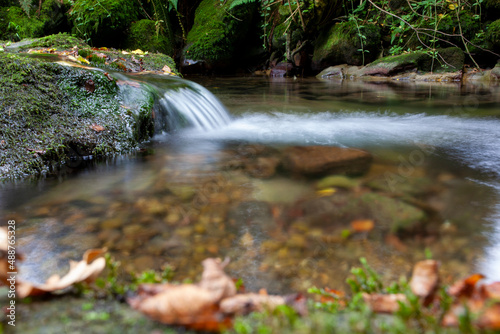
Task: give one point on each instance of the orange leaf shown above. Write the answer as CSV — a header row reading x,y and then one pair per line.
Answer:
x,y
365,225
466,287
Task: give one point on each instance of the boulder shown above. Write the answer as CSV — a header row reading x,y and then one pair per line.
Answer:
x,y
321,160
495,72
342,44
394,64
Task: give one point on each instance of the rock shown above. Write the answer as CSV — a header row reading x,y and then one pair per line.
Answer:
x,y
449,60
219,38
337,211
320,160
341,44
340,71
394,64
263,167
281,70
495,72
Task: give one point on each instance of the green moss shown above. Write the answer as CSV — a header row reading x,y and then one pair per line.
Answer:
x,y
144,35
16,25
46,107
58,41
341,44
493,35
103,22
217,33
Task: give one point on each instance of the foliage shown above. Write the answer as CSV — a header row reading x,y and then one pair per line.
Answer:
x,y
16,25
144,35
102,22
492,35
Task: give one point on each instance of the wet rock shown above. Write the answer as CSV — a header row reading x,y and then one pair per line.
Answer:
x,y
409,185
281,70
112,223
321,160
337,211
183,192
495,72
263,167
340,72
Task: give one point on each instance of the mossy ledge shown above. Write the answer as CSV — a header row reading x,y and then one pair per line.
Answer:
x,y
50,118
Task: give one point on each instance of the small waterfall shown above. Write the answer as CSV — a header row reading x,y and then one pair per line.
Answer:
x,y
188,105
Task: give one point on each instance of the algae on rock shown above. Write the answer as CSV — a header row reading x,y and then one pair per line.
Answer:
x,y
50,115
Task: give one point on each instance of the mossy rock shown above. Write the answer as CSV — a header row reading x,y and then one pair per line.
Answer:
x,y
491,9
391,65
341,45
219,32
143,35
48,115
448,60
103,23
58,41
493,35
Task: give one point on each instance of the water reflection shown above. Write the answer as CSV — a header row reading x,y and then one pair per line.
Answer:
x,y
195,196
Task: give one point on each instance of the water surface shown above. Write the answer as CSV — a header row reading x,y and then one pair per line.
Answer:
x,y
180,201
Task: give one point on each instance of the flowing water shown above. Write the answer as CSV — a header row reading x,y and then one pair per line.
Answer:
x,y
194,193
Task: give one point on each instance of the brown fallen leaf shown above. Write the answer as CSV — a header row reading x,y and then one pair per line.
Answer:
x,y
425,280
97,128
364,225
187,305
106,74
128,83
466,287
40,152
381,303
86,270
215,280
166,69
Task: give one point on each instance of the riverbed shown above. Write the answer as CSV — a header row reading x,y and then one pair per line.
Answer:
x,y
191,193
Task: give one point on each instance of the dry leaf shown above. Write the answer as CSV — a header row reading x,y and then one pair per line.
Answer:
x,y
97,128
84,271
215,280
384,303
129,83
425,280
363,225
187,304
166,69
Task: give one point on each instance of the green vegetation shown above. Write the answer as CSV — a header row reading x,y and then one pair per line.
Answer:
x,y
103,22
144,35
218,30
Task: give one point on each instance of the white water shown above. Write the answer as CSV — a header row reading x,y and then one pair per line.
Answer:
x,y
191,106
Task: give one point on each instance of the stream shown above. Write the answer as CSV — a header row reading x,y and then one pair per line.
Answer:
x,y
193,193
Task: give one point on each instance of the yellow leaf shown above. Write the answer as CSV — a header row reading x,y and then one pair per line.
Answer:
x,y
452,6
138,52
326,192
82,60
125,52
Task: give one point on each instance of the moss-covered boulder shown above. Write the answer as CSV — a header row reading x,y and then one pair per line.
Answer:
x,y
341,44
493,35
144,35
220,33
103,23
391,65
446,60
51,113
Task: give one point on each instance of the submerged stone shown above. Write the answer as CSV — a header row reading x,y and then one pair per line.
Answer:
x,y
321,160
